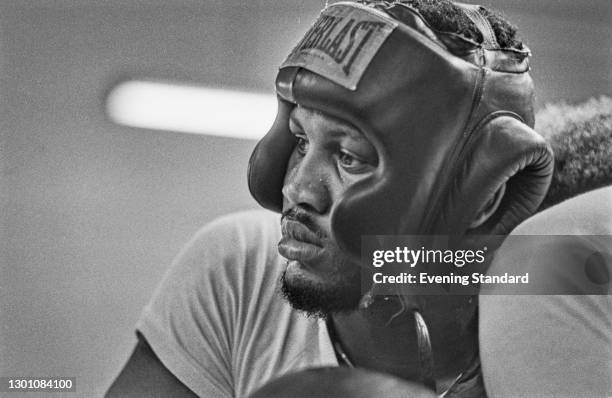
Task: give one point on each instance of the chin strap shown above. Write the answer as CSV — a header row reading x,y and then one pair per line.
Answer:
x,y
425,352
482,24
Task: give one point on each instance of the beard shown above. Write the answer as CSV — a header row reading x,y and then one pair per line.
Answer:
x,y
331,285
339,293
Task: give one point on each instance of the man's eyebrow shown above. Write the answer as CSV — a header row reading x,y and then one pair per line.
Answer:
x,y
336,128
340,129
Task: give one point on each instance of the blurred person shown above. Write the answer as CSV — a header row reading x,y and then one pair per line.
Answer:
x,y
581,139
407,117
554,345
559,344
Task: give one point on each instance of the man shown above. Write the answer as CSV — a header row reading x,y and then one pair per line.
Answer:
x,y
552,337
394,118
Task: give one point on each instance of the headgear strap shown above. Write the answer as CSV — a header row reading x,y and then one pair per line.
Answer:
x,y
488,36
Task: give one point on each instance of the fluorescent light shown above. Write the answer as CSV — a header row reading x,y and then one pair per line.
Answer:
x,y
189,109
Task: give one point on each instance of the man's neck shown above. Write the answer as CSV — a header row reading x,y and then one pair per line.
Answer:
x,y
384,338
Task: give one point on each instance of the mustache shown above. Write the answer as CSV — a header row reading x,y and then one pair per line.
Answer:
x,y
302,216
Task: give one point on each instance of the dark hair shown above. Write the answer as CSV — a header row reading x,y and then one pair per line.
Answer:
x,y
581,139
445,16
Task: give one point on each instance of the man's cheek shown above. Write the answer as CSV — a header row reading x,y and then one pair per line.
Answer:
x,y
290,172
291,166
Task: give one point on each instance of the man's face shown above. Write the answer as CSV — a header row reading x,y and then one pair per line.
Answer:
x,y
330,156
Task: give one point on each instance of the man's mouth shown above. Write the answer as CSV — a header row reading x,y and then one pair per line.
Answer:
x,y
299,242
297,230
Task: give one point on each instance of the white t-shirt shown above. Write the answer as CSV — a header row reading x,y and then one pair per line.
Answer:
x,y
218,322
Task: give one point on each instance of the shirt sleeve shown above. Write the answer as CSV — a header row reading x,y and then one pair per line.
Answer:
x,y
188,322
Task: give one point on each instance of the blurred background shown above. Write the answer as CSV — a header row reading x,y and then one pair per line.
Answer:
x,y
93,212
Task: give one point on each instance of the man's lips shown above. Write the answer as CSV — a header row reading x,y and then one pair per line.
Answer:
x,y
300,232
293,249
299,242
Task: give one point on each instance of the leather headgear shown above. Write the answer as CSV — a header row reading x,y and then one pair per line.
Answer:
x,y
451,121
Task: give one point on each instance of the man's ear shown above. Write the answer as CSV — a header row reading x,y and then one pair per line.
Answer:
x,y
489,208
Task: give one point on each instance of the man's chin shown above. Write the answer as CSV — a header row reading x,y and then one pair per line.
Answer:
x,y
318,296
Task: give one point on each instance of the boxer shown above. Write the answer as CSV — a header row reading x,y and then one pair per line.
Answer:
x,y
389,127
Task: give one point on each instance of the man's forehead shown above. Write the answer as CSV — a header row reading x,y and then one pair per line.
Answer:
x,y
308,117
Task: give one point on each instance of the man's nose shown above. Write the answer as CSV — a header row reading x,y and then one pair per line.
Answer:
x,y
306,185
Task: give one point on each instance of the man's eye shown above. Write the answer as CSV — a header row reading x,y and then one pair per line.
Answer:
x,y
351,163
301,145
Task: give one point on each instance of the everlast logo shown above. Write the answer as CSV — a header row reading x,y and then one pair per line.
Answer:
x,y
340,38
341,43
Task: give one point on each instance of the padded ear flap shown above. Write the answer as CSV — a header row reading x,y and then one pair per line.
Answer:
x,y
268,161
503,150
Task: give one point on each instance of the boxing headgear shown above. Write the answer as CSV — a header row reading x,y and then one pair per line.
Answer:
x,y
451,121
